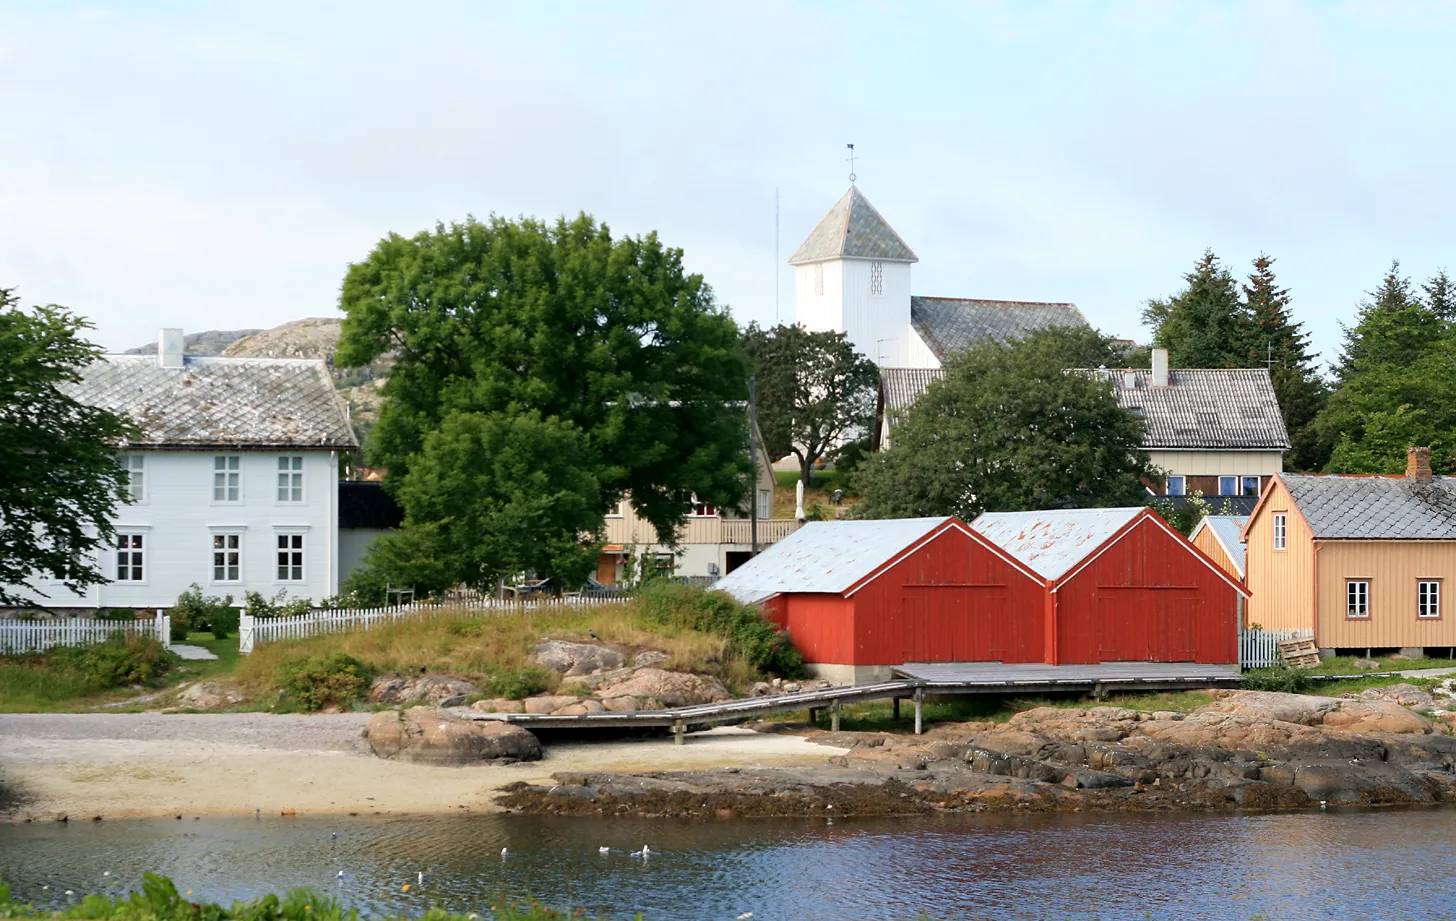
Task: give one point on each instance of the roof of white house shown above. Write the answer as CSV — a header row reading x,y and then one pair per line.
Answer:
x,y
1375,507
853,229
825,556
221,402
1053,541
1227,528
950,325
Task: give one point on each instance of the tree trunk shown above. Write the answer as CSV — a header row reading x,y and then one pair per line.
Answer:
x,y
806,466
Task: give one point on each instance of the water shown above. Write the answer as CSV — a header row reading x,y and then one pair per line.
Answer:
x,y
1336,865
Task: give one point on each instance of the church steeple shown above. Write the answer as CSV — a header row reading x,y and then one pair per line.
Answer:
x,y
853,229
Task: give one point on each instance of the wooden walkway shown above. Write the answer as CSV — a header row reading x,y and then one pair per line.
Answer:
x,y
915,682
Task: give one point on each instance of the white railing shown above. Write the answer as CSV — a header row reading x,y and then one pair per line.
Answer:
x,y
21,637
254,631
1260,648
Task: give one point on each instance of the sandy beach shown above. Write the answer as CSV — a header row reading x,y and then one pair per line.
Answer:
x,y
153,764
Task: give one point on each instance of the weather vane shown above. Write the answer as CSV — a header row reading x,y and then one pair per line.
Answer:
x,y
851,163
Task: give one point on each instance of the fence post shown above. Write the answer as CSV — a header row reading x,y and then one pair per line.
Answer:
x,y
245,632
163,625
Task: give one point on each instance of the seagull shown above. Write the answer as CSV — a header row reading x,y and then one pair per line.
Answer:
x,y
341,875
107,873
1322,804
604,850
420,877
645,852
747,914
504,852
257,813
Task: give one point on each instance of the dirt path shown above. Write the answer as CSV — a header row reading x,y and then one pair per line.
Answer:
x,y
146,764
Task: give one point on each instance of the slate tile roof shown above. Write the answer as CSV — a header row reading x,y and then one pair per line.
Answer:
x,y
1054,541
853,229
1375,507
901,387
1228,529
221,402
953,324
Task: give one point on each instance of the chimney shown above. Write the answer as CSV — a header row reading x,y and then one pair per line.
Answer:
x,y
1418,465
170,344
1160,367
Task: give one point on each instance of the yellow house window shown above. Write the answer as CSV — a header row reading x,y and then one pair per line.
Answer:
x,y
1281,530
1428,598
1357,598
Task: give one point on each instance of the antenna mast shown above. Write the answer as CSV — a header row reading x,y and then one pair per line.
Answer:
x,y
776,256
850,161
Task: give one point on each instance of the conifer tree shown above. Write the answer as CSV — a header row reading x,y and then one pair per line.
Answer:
x,y
1394,327
1440,296
1206,325
1283,345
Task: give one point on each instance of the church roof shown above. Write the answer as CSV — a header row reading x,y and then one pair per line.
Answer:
x,y
853,229
950,325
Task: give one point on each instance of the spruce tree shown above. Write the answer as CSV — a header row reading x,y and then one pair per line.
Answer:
x,y
1281,343
1394,327
1440,297
1206,325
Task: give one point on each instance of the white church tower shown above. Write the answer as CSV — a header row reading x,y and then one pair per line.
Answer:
x,y
852,275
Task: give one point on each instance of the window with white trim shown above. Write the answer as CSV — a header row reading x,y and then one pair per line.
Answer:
x,y
1428,598
135,467
227,557
1357,598
290,478
290,557
1176,486
131,558
227,478
703,510
1251,485
765,503
1228,486
877,279
1281,530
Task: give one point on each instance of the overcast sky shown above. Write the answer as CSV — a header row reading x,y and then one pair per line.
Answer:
x,y
218,166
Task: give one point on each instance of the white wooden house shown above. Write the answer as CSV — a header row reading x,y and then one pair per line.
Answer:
x,y
232,480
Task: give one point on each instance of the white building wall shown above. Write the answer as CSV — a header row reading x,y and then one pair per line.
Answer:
x,y
1218,463
877,324
920,354
354,544
177,518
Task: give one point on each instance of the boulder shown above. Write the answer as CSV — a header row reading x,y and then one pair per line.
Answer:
x,y
594,680
1304,709
1376,716
499,705
582,707
649,657
209,695
436,690
430,735
673,689
575,658
549,703
1407,695
1366,663
621,704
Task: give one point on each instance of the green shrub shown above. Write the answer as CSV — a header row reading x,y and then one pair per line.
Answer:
x,y
763,646
121,614
515,683
203,614
316,683
280,605
120,659
1280,678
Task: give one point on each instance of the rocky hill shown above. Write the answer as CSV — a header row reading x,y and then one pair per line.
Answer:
x,y
212,342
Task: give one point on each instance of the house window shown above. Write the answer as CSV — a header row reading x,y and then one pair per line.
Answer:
x,y
1228,486
877,278
1428,598
130,558
290,557
227,477
135,467
290,478
1177,486
1251,486
765,503
227,557
703,510
1357,598
1281,530
818,278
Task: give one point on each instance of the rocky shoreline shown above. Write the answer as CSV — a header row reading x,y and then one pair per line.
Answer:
x,y
1247,750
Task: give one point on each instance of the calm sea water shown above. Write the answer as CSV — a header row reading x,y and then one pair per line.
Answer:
x,y
1345,865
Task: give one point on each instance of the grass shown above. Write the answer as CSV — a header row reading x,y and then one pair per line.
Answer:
x,y
1345,665
825,483
27,685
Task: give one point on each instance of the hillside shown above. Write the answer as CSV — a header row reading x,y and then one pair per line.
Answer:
x,y
212,342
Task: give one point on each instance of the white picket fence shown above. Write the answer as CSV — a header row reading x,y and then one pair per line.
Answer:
x,y
22,637
1260,648
254,631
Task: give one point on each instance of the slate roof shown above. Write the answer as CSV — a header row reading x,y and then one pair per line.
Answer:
x,y
853,229
221,402
1228,529
825,556
903,386
1375,507
953,324
1052,542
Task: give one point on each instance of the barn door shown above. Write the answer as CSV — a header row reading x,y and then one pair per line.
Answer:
x,y
1122,627
1180,620
913,628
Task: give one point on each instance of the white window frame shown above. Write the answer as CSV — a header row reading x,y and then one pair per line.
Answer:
x,y
136,555
1180,490
1428,599
1244,486
1357,599
290,479
765,503
227,478
221,537
1233,486
694,510
280,549
1279,526
135,466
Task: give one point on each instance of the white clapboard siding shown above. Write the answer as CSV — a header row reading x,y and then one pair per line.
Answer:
x,y
255,631
1260,648
22,637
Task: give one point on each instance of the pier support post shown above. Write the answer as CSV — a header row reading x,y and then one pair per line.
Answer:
x,y
895,709
1097,691
678,729
919,702
834,716
813,716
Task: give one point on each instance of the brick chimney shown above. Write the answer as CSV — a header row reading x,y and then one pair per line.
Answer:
x,y
1160,367
1418,465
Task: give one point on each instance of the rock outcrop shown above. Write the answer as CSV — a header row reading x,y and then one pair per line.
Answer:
x,y
430,735
209,695
436,690
571,659
673,689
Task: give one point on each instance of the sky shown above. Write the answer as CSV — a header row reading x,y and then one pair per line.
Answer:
x,y
219,165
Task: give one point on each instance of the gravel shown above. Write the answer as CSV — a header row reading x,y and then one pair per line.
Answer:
x,y
281,732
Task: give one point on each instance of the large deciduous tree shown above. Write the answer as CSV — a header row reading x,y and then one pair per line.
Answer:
x,y
1009,429
814,391
61,484
542,372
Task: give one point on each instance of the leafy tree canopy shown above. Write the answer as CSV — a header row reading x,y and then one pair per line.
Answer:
x,y
542,372
814,391
1007,429
62,483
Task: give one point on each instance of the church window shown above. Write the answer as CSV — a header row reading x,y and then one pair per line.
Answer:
x,y
818,278
877,278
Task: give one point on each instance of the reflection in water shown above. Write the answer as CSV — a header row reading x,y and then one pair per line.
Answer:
x,y
1290,866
